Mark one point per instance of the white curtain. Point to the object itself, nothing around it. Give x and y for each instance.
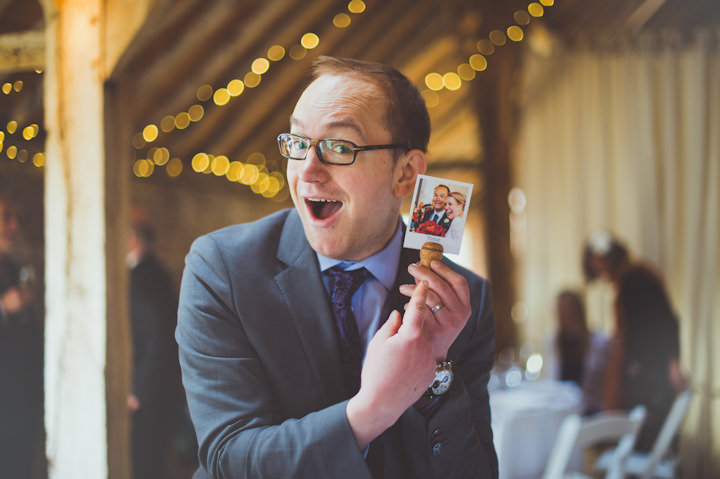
(625, 135)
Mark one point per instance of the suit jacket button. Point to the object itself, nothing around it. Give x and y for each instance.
(437, 449)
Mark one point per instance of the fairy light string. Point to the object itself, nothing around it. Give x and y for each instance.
(253, 172)
(15, 139)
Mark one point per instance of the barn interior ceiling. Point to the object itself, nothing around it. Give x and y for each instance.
(208, 84)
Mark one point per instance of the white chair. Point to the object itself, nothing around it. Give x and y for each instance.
(656, 463)
(577, 434)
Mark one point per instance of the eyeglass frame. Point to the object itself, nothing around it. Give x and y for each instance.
(355, 148)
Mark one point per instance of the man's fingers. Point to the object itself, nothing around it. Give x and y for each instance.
(456, 281)
(391, 326)
(444, 281)
(416, 308)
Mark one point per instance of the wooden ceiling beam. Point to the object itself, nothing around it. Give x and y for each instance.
(234, 54)
(349, 46)
(367, 42)
(188, 54)
(157, 32)
(4, 6)
(23, 51)
(256, 103)
(406, 29)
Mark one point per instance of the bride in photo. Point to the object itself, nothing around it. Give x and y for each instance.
(454, 208)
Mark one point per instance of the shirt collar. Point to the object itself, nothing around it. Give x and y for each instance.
(382, 265)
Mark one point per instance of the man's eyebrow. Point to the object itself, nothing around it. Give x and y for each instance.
(294, 121)
(347, 124)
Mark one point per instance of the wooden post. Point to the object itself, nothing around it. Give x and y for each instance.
(495, 92)
(86, 367)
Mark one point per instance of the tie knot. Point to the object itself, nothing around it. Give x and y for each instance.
(347, 282)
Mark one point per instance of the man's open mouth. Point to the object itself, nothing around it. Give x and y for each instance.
(322, 209)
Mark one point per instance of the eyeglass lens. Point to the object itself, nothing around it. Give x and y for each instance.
(330, 150)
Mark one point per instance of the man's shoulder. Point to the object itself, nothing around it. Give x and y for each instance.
(258, 230)
(253, 239)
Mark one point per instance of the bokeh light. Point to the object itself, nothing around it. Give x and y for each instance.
(432, 99)
(260, 66)
(310, 40)
(200, 162)
(235, 87)
(452, 81)
(150, 133)
(174, 167)
(535, 9)
(182, 121)
(356, 6)
(497, 37)
(515, 33)
(478, 62)
(342, 20)
(204, 92)
(221, 96)
(276, 53)
(434, 81)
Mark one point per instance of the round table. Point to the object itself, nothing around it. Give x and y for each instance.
(525, 421)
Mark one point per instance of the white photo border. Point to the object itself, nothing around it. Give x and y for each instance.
(424, 187)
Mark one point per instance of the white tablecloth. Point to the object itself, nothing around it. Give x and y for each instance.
(525, 421)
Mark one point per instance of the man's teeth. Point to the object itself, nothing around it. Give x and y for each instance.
(321, 200)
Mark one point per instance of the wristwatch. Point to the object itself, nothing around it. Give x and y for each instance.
(443, 379)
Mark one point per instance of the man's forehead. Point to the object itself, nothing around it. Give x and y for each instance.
(342, 102)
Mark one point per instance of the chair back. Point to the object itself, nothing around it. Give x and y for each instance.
(667, 432)
(578, 434)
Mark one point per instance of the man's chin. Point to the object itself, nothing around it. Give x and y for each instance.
(328, 249)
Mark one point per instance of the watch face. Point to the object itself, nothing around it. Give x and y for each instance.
(443, 379)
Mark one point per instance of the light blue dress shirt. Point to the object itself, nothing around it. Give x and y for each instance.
(369, 299)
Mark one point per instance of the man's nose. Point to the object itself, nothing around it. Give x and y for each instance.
(313, 169)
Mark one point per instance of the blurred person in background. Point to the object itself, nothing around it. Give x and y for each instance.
(156, 399)
(576, 353)
(21, 358)
(644, 351)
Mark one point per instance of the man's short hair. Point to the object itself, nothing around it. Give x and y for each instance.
(447, 188)
(406, 116)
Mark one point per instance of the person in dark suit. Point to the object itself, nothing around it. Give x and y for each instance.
(156, 397)
(435, 212)
(273, 313)
(21, 358)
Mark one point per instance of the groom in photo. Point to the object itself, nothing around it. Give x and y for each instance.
(436, 211)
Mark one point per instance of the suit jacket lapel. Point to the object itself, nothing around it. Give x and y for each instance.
(303, 289)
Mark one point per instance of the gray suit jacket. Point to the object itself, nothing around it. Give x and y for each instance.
(262, 368)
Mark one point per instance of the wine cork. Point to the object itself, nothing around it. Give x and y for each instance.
(430, 251)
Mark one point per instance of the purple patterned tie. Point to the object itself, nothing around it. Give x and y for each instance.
(343, 285)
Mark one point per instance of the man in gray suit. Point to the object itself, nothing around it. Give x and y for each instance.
(273, 322)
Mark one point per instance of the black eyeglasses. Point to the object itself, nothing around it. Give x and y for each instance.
(331, 151)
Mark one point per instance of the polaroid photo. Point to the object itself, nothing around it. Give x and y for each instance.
(438, 211)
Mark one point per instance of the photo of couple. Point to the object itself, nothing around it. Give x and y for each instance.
(438, 211)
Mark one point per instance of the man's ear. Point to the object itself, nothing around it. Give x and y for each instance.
(407, 168)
